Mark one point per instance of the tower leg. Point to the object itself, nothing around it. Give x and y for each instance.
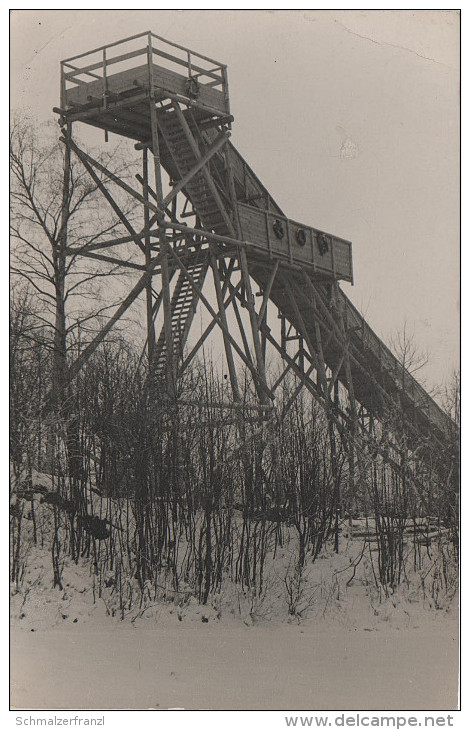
(223, 317)
(148, 288)
(254, 322)
(165, 274)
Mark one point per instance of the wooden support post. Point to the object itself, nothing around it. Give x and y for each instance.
(148, 255)
(238, 295)
(82, 250)
(352, 399)
(164, 247)
(264, 321)
(335, 373)
(267, 293)
(223, 317)
(319, 361)
(250, 304)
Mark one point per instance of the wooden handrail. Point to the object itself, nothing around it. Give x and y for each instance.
(109, 61)
(81, 71)
(183, 48)
(108, 45)
(182, 62)
(142, 35)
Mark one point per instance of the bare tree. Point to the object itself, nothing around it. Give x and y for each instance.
(56, 208)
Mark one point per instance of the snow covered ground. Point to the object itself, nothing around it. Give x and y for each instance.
(350, 652)
(210, 666)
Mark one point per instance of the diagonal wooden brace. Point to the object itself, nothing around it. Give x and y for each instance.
(85, 157)
(210, 152)
(131, 297)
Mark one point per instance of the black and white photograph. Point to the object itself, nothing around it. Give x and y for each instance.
(234, 357)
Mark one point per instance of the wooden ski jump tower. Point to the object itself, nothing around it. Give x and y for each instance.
(174, 103)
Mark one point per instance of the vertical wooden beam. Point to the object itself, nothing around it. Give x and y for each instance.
(250, 304)
(235, 291)
(166, 295)
(264, 321)
(148, 252)
(223, 317)
(352, 399)
(318, 358)
(267, 293)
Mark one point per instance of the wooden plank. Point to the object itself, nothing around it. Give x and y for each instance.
(257, 224)
(289, 242)
(184, 63)
(312, 248)
(268, 235)
(87, 73)
(117, 83)
(183, 48)
(129, 103)
(180, 99)
(108, 45)
(214, 83)
(111, 260)
(267, 293)
(109, 61)
(333, 261)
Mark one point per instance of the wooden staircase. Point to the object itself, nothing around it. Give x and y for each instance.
(183, 308)
(182, 149)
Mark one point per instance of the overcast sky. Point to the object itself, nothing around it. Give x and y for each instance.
(350, 119)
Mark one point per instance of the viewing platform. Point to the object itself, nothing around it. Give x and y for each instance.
(109, 86)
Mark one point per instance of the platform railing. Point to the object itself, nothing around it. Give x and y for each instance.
(101, 62)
